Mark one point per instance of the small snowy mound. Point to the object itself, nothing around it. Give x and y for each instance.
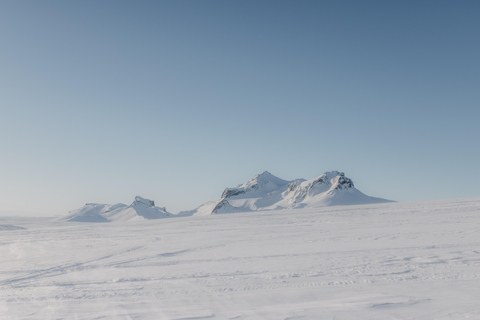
(140, 209)
(268, 192)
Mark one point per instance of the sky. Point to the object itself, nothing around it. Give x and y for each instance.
(101, 101)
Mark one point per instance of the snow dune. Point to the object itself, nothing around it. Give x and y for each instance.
(378, 261)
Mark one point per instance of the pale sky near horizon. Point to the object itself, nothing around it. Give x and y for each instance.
(176, 100)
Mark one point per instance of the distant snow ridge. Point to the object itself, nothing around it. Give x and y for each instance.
(268, 192)
(140, 209)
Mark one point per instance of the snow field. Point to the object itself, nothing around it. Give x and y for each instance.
(383, 261)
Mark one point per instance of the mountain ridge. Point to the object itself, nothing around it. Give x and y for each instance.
(268, 192)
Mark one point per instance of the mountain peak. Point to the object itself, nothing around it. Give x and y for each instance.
(139, 201)
(262, 183)
(330, 175)
(264, 174)
(333, 178)
(262, 179)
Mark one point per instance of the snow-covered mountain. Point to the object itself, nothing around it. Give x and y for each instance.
(268, 192)
(95, 212)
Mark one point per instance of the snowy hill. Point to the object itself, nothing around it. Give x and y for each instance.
(268, 192)
(95, 212)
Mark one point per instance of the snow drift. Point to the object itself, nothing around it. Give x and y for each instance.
(95, 212)
(268, 192)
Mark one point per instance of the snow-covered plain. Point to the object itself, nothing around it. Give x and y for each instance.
(381, 261)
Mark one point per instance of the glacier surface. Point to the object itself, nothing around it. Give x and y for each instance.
(376, 261)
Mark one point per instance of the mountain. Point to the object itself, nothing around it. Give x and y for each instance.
(95, 212)
(268, 192)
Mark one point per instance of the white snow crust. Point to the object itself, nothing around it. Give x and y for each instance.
(268, 192)
(141, 208)
(377, 261)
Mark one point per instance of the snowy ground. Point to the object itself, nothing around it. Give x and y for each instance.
(385, 261)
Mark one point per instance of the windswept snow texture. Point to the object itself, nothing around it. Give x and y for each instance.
(268, 192)
(376, 262)
(140, 209)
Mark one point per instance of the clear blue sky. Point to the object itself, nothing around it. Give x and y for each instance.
(176, 100)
